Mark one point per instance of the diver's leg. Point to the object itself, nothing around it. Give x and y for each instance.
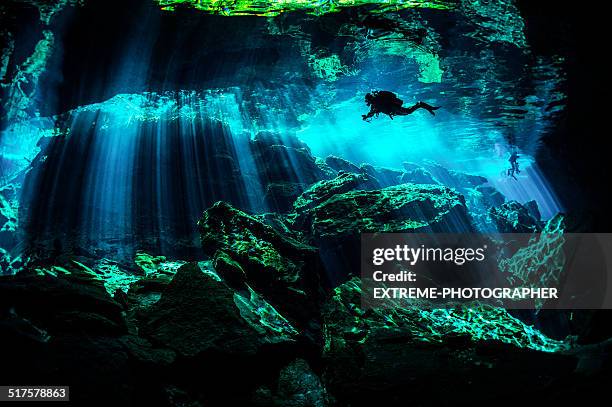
(403, 111)
(431, 109)
(511, 173)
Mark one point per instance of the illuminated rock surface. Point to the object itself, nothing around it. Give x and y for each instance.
(284, 269)
(402, 208)
(390, 349)
(270, 8)
(198, 313)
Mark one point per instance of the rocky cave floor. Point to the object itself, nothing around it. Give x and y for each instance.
(272, 315)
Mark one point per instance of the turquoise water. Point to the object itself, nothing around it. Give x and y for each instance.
(495, 96)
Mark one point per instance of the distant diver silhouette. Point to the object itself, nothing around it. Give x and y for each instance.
(383, 101)
(514, 167)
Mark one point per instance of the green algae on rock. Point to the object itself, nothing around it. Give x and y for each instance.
(369, 352)
(245, 238)
(420, 324)
(324, 190)
(400, 208)
(296, 385)
(150, 264)
(279, 266)
(270, 8)
(198, 313)
(512, 217)
(542, 262)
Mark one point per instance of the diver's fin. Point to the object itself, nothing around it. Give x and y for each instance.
(432, 109)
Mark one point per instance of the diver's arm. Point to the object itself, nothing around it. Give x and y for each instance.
(371, 113)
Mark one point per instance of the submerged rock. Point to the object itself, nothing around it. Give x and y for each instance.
(282, 163)
(534, 210)
(542, 262)
(334, 220)
(199, 313)
(418, 176)
(490, 196)
(150, 264)
(324, 190)
(385, 176)
(376, 355)
(9, 206)
(340, 164)
(328, 171)
(454, 178)
(279, 196)
(512, 217)
(401, 208)
(265, 139)
(59, 305)
(284, 159)
(298, 386)
(278, 265)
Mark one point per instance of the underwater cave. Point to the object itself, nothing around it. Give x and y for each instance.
(185, 185)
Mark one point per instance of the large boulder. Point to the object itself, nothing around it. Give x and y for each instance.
(59, 305)
(452, 178)
(278, 265)
(279, 196)
(334, 220)
(297, 386)
(488, 196)
(400, 208)
(384, 356)
(324, 190)
(198, 313)
(512, 217)
(418, 176)
(340, 164)
(285, 159)
(385, 176)
(479, 200)
(71, 330)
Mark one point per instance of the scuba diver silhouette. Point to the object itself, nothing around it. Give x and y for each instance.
(514, 167)
(383, 101)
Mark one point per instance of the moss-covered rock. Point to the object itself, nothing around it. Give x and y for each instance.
(401, 208)
(334, 215)
(297, 386)
(230, 270)
(198, 313)
(278, 265)
(324, 190)
(373, 354)
(512, 217)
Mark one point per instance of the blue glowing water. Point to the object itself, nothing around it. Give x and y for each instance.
(126, 148)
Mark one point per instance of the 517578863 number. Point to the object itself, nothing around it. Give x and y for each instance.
(34, 393)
